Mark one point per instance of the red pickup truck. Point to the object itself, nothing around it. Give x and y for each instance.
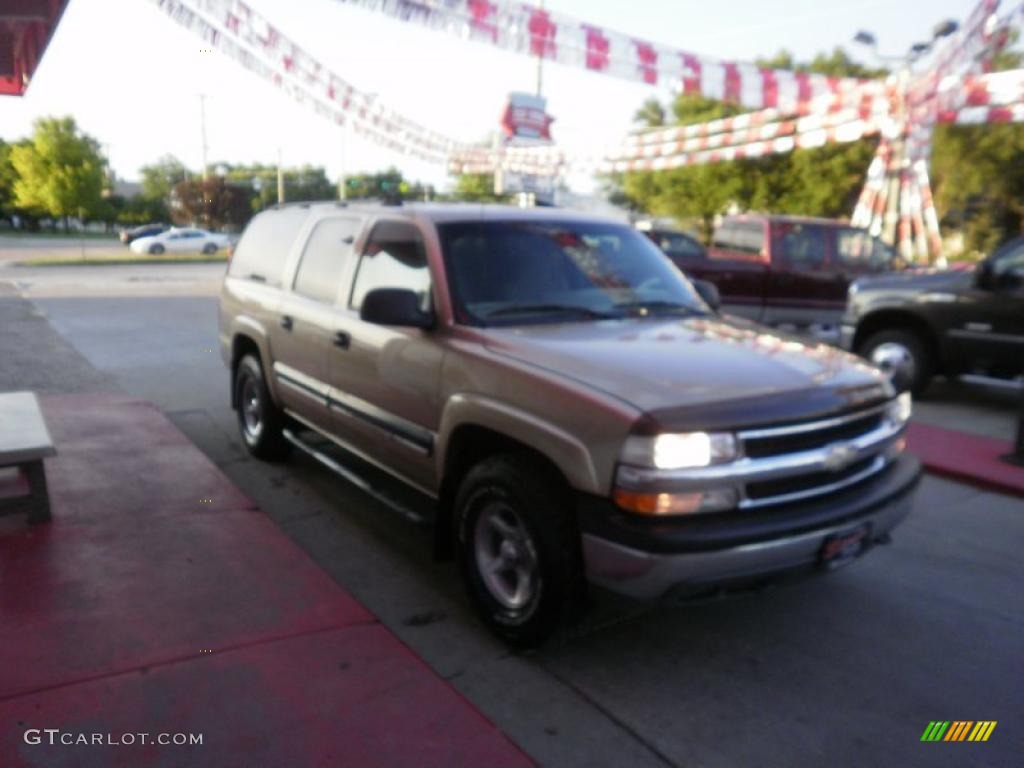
(785, 271)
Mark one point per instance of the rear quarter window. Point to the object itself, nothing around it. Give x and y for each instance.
(264, 246)
(801, 246)
(743, 239)
(677, 246)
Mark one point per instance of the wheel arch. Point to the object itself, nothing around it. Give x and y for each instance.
(465, 446)
(899, 319)
(243, 343)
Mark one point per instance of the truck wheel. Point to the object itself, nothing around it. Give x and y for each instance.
(518, 548)
(260, 422)
(901, 354)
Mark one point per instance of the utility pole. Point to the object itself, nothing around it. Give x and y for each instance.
(280, 179)
(202, 129)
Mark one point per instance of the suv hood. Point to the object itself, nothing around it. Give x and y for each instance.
(917, 280)
(699, 372)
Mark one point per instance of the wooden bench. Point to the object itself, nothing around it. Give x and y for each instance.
(24, 443)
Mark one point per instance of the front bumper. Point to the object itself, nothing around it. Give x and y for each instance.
(650, 558)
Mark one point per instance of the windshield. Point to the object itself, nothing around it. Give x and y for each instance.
(513, 272)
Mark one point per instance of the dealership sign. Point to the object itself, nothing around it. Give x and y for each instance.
(526, 117)
(510, 183)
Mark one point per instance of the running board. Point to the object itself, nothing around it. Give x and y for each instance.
(1014, 385)
(355, 479)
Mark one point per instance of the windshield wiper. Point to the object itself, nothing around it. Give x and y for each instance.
(658, 306)
(530, 309)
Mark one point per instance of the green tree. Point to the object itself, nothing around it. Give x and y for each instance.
(692, 193)
(161, 177)
(824, 181)
(978, 175)
(476, 188)
(651, 114)
(60, 171)
(383, 184)
(304, 183)
(7, 176)
(213, 203)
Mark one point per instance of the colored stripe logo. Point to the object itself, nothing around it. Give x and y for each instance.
(959, 730)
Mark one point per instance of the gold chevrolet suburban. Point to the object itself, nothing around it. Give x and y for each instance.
(559, 399)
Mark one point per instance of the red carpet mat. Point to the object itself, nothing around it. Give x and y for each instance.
(159, 601)
(970, 458)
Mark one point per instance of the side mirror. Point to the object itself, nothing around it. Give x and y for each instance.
(709, 293)
(395, 306)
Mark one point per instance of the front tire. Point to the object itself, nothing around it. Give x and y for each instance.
(903, 355)
(518, 548)
(260, 421)
(156, 249)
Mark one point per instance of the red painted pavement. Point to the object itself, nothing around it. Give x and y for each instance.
(969, 458)
(144, 608)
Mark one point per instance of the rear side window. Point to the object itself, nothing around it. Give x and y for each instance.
(678, 246)
(740, 237)
(261, 253)
(324, 258)
(800, 246)
(394, 258)
(860, 251)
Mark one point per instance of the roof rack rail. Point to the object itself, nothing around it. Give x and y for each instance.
(296, 204)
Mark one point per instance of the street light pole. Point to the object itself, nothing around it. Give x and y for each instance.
(202, 129)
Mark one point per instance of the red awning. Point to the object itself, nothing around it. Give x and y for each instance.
(25, 30)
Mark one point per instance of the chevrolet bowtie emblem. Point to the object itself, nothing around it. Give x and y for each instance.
(838, 457)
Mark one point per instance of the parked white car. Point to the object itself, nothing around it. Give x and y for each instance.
(181, 241)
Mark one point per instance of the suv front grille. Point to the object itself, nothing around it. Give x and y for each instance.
(813, 481)
(864, 435)
(788, 463)
(759, 447)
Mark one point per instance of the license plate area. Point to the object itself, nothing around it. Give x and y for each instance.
(844, 547)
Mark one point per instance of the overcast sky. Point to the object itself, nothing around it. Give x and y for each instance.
(131, 77)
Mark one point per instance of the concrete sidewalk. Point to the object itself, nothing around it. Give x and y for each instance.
(966, 457)
(161, 601)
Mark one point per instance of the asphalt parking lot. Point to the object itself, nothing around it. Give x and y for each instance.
(843, 670)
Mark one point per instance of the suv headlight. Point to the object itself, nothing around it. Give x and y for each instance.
(646, 461)
(680, 450)
(900, 409)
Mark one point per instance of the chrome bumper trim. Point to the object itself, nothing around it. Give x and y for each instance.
(647, 575)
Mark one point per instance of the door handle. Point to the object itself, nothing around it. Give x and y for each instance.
(287, 322)
(342, 340)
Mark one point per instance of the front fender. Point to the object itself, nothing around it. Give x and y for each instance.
(564, 450)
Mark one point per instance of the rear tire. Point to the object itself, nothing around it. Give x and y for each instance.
(518, 548)
(209, 249)
(903, 355)
(260, 421)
